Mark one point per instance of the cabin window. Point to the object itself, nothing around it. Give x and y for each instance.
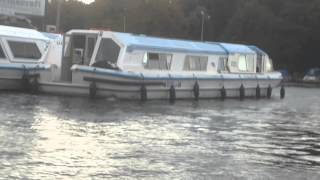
(234, 64)
(108, 51)
(250, 63)
(246, 63)
(25, 50)
(195, 63)
(159, 61)
(78, 48)
(223, 66)
(269, 65)
(2, 56)
(242, 64)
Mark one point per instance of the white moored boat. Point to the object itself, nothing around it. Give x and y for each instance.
(128, 66)
(24, 57)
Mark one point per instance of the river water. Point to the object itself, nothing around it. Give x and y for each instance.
(48, 137)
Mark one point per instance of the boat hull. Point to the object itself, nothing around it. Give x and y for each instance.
(125, 85)
(15, 76)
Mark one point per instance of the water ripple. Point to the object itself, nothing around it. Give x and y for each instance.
(47, 137)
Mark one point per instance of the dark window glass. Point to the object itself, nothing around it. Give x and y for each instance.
(108, 51)
(79, 41)
(2, 53)
(153, 56)
(25, 50)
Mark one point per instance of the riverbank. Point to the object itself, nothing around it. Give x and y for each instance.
(301, 83)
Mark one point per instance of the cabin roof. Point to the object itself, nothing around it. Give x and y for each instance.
(157, 44)
(21, 32)
(52, 36)
(237, 48)
(141, 42)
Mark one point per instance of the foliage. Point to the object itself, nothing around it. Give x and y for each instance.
(288, 29)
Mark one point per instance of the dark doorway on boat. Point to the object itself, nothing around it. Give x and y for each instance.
(78, 49)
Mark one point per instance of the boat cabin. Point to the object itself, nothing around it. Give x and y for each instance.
(140, 53)
(20, 45)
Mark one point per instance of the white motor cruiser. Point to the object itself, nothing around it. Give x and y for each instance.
(128, 66)
(25, 56)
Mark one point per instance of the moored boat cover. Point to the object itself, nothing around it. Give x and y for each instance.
(147, 43)
(141, 42)
(21, 32)
(237, 48)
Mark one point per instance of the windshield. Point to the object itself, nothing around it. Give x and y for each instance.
(108, 51)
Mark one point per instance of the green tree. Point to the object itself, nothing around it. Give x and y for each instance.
(288, 29)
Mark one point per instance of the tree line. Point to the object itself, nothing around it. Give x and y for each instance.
(288, 30)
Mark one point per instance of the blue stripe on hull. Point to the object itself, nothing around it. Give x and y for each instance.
(127, 75)
(27, 67)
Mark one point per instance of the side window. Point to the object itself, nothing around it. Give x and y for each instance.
(269, 65)
(108, 51)
(78, 48)
(25, 50)
(159, 61)
(223, 66)
(250, 63)
(2, 55)
(242, 65)
(195, 63)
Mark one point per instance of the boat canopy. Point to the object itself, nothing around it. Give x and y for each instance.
(235, 48)
(21, 33)
(147, 43)
(142, 42)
